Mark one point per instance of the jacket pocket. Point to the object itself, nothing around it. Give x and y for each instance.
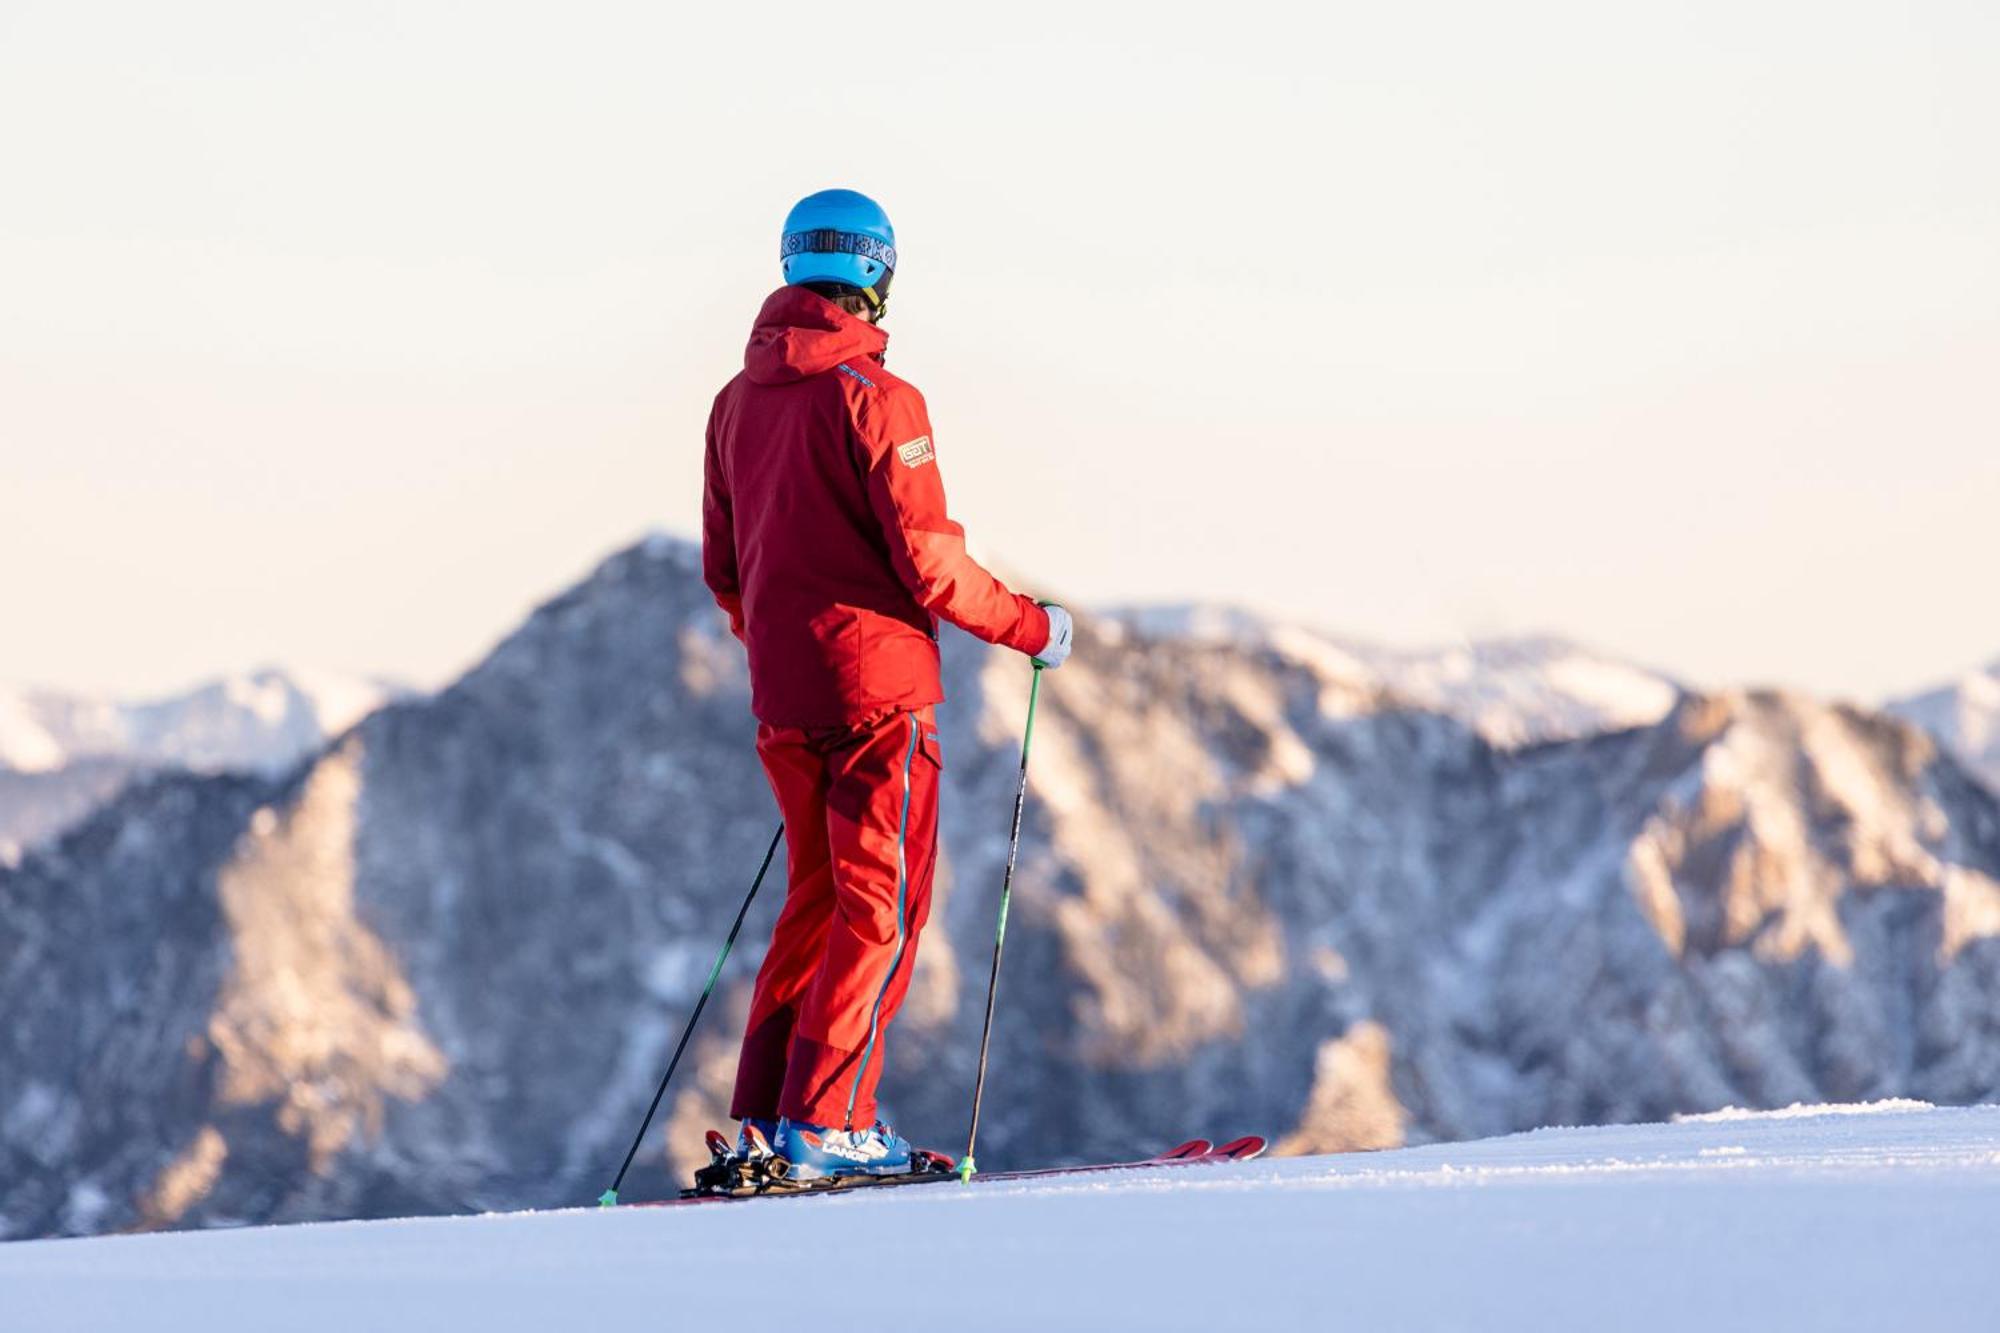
(929, 742)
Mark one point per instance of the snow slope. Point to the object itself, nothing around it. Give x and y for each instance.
(1871, 1217)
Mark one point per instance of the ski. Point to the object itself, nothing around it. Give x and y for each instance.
(1240, 1150)
(936, 1168)
(1194, 1150)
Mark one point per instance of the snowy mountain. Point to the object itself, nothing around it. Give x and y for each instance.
(61, 755)
(439, 968)
(263, 720)
(1825, 1218)
(1965, 716)
(1512, 691)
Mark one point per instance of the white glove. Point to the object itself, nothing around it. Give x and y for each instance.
(1056, 651)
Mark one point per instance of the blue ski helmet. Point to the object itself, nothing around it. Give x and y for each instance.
(843, 237)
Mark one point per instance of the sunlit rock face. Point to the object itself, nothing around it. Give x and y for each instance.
(440, 967)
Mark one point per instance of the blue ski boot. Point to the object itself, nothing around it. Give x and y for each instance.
(816, 1152)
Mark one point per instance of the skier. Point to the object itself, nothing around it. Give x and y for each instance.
(826, 542)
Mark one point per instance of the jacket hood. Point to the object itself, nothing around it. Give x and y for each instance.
(800, 333)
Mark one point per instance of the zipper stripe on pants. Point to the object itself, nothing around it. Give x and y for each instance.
(902, 892)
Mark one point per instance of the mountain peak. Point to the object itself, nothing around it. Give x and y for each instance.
(1965, 715)
(1513, 690)
(265, 718)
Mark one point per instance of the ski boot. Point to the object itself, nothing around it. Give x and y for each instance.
(818, 1152)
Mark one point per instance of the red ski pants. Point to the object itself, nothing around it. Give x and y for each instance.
(860, 811)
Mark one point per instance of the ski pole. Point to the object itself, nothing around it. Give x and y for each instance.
(610, 1196)
(965, 1166)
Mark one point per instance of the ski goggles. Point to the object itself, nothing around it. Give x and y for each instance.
(833, 241)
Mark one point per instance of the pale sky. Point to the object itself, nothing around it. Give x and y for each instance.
(339, 335)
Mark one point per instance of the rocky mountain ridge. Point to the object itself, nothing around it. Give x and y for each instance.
(438, 966)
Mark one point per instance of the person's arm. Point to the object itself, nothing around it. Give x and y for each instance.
(925, 545)
(718, 537)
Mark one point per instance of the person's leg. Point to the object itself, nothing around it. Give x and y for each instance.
(798, 941)
(922, 858)
(881, 813)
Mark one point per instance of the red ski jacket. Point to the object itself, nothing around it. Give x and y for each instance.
(824, 532)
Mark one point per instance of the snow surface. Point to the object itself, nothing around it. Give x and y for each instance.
(1812, 1217)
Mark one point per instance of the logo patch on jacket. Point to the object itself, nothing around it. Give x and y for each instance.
(917, 452)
